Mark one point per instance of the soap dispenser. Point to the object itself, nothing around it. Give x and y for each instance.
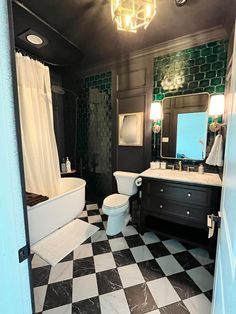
(201, 169)
(68, 165)
(63, 165)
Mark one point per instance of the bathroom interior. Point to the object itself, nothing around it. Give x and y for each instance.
(124, 111)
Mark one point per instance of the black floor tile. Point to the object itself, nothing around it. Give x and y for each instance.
(108, 281)
(140, 299)
(208, 294)
(158, 249)
(83, 267)
(175, 308)
(123, 258)
(40, 276)
(88, 306)
(210, 268)
(184, 285)
(101, 247)
(84, 219)
(186, 260)
(119, 235)
(134, 240)
(104, 217)
(58, 294)
(150, 270)
(69, 257)
(100, 225)
(93, 212)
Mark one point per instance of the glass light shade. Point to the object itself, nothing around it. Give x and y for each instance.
(156, 111)
(216, 107)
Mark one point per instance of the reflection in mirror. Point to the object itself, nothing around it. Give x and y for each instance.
(184, 126)
(191, 135)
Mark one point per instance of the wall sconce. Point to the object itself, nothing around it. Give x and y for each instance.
(216, 109)
(156, 116)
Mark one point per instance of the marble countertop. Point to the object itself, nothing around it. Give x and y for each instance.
(183, 176)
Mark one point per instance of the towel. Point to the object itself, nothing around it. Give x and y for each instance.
(215, 157)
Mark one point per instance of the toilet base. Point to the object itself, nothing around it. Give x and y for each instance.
(116, 223)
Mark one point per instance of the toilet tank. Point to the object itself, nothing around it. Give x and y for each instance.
(126, 182)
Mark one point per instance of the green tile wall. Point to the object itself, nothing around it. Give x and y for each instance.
(203, 68)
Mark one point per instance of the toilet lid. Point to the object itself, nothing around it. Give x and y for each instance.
(116, 200)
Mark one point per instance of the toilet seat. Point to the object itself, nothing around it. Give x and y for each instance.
(116, 201)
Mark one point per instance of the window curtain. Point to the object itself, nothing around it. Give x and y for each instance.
(40, 155)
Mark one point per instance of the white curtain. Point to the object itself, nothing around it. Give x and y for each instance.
(40, 156)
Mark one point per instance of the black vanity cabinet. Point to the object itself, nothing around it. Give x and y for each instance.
(179, 209)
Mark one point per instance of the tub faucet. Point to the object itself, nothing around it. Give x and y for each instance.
(180, 165)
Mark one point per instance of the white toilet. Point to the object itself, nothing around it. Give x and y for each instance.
(116, 206)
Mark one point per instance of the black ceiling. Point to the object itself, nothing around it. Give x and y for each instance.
(88, 25)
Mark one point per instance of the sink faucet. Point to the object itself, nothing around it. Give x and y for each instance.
(180, 165)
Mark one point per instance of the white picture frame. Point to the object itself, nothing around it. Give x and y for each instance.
(130, 129)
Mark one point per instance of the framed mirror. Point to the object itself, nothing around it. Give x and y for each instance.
(184, 126)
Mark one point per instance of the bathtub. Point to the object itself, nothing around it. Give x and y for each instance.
(48, 216)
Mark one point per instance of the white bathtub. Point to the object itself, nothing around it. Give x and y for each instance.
(46, 217)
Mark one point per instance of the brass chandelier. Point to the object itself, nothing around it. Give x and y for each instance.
(129, 15)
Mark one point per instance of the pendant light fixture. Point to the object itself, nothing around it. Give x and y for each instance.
(129, 15)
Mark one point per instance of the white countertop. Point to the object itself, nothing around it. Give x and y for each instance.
(183, 176)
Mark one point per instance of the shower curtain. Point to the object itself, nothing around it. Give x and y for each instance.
(40, 156)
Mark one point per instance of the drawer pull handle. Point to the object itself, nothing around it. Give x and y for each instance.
(189, 194)
(161, 206)
(162, 190)
(188, 212)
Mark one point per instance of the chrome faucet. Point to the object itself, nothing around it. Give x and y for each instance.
(180, 165)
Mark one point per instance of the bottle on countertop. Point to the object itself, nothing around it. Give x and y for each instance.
(63, 165)
(68, 165)
(201, 169)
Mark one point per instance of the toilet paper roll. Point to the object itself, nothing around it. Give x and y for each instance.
(138, 181)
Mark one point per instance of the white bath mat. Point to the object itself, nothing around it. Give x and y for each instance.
(60, 243)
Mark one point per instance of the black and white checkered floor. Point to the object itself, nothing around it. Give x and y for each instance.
(128, 273)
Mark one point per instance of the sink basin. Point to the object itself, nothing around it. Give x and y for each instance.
(191, 177)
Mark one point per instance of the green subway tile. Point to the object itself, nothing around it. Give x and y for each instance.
(198, 90)
(102, 75)
(156, 91)
(211, 58)
(204, 83)
(206, 52)
(102, 87)
(108, 74)
(205, 67)
(186, 71)
(209, 89)
(191, 62)
(217, 65)
(169, 94)
(220, 89)
(91, 78)
(195, 54)
(199, 76)
(188, 78)
(86, 79)
(212, 44)
(160, 96)
(99, 81)
(216, 81)
(200, 61)
(194, 70)
(96, 77)
(219, 48)
(210, 74)
(223, 56)
(193, 85)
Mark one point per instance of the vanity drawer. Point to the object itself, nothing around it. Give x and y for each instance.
(195, 216)
(178, 192)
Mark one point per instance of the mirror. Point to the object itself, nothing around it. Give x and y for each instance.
(184, 127)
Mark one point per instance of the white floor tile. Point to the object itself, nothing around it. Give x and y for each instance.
(39, 297)
(94, 219)
(130, 275)
(163, 292)
(64, 309)
(101, 211)
(104, 262)
(114, 303)
(118, 244)
(198, 304)
(141, 253)
(83, 214)
(84, 250)
(129, 230)
(38, 262)
(84, 287)
(100, 235)
(202, 278)
(154, 312)
(169, 265)
(60, 272)
(150, 237)
(91, 206)
(174, 246)
(201, 255)
(105, 224)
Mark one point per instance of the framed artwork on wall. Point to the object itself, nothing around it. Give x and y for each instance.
(130, 129)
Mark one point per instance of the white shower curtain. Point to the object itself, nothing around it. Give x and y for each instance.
(40, 155)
